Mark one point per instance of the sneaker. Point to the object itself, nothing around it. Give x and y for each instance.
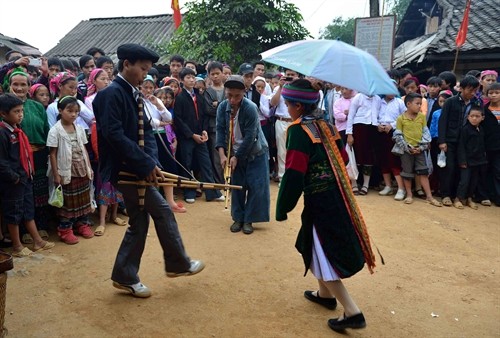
(221, 198)
(386, 191)
(400, 195)
(190, 200)
(137, 290)
(196, 267)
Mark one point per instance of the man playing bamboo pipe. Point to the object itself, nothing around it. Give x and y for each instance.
(249, 158)
(126, 143)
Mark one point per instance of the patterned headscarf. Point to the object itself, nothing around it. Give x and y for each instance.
(169, 80)
(34, 88)
(488, 72)
(59, 79)
(91, 89)
(297, 94)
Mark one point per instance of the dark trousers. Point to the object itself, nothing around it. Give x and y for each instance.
(448, 175)
(190, 152)
(492, 188)
(128, 259)
(470, 179)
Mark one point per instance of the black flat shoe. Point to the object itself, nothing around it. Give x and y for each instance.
(353, 322)
(329, 303)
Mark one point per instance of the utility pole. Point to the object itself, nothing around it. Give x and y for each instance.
(374, 8)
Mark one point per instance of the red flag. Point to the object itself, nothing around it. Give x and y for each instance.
(462, 32)
(177, 13)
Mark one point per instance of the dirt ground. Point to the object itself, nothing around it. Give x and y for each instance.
(439, 280)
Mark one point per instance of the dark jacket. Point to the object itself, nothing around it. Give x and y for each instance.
(452, 118)
(435, 106)
(255, 96)
(186, 121)
(491, 128)
(117, 116)
(10, 164)
(471, 150)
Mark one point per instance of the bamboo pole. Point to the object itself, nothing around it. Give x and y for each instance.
(191, 185)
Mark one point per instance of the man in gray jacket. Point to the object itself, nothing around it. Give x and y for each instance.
(249, 157)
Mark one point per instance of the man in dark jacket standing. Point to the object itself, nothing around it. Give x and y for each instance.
(120, 131)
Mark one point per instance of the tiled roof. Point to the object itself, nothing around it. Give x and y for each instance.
(19, 46)
(109, 33)
(483, 32)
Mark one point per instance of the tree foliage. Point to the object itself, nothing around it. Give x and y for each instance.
(235, 31)
(340, 29)
(343, 29)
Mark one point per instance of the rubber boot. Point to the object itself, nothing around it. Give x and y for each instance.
(67, 236)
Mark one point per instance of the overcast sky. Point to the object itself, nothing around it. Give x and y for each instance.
(43, 23)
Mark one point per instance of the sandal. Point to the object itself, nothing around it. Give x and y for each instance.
(420, 193)
(178, 207)
(363, 191)
(434, 202)
(408, 200)
(355, 191)
(99, 231)
(46, 246)
(27, 239)
(25, 252)
(447, 202)
(471, 204)
(44, 235)
(457, 204)
(119, 221)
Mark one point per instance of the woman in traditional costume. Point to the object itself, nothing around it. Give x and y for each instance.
(333, 239)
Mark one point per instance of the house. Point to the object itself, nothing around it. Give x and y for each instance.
(109, 33)
(425, 38)
(7, 44)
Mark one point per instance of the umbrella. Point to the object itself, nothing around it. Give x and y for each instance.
(333, 61)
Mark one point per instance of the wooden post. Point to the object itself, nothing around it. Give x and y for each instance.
(456, 59)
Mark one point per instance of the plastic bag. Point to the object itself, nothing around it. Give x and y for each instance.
(441, 159)
(352, 167)
(56, 198)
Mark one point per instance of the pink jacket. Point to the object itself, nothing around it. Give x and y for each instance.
(339, 107)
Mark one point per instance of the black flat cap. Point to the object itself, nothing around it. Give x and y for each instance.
(235, 81)
(134, 52)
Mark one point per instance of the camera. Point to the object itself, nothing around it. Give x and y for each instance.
(35, 62)
(288, 78)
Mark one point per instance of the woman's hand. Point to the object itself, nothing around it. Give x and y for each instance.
(350, 140)
(57, 179)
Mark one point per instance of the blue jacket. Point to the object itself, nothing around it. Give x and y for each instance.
(254, 143)
(117, 116)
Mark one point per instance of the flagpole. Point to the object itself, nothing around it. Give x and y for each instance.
(456, 59)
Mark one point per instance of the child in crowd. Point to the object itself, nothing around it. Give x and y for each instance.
(361, 131)
(166, 95)
(70, 167)
(87, 64)
(486, 78)
(491, 126)
(226, 71)
(341, 110)
(433, 128)
(159, 118)
(98, 79)
(191, 128)
(413, 137)
(471, 159)
(16, 177)
(65, 84)
(176, 63)
(434, 88)
(106, 63)
(391, 108)
(452, 119)
(200, 85)
(107, 195)
(173, 83)
(40, 93)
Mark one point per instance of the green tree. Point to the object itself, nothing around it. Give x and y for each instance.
(340, 29)
(399, 7)
(235, 31)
